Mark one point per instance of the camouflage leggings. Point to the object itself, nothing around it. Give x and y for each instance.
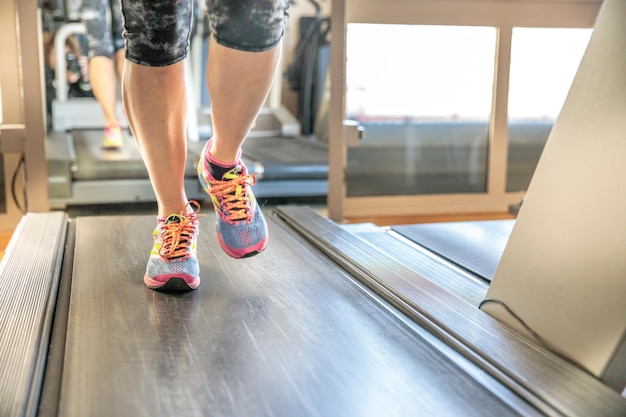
(157, 32)
(103, 21)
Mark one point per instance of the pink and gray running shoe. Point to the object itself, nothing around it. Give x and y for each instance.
(173, 265)
(241, 228)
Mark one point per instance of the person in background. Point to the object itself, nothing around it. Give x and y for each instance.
(244, 53)
(77, 70)
(103, 23)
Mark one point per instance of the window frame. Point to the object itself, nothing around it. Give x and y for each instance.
(504, 15)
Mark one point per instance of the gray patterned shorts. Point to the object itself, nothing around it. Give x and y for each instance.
(103, 21)
(157, 32)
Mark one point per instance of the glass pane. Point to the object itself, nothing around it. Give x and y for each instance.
(543, 65)
(423, 94)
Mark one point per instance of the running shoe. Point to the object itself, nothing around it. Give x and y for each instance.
(241, 229)
(173, 265)
(113, 138)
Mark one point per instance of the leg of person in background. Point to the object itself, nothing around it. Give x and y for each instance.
(120, 61)
(104, 83)
(102, 20)
(119, 55)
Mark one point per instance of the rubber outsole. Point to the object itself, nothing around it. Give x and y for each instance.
(174, 285)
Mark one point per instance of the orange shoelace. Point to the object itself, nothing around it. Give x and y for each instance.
(233, 196)
(176, 235)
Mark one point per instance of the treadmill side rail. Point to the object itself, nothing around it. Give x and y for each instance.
(29, 276)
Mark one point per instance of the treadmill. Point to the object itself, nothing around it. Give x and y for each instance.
(331, 320)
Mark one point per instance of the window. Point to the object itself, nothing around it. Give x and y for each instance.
(423, 94)
(543, 65)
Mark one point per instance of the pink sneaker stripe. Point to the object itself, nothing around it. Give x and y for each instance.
(241, 253)
(161, 280)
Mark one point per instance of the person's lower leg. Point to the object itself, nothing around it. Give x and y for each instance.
(156, 107)
(238, 83)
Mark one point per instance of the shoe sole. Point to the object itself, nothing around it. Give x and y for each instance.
(254, 250)
(173, 284)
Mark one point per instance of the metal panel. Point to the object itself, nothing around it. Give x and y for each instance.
(50, 390)
(429, 265)
(563, 270)
(285, 333)
(29, 275)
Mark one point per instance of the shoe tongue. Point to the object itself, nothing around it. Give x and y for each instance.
(233, 173)
(173, 218)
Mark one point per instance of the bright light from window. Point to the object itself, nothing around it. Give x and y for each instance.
(543, 65)
(422, 72)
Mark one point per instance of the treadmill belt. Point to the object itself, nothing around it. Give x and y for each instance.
(284, 333)
(476, 246)
(289, 158)
(93, 162)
